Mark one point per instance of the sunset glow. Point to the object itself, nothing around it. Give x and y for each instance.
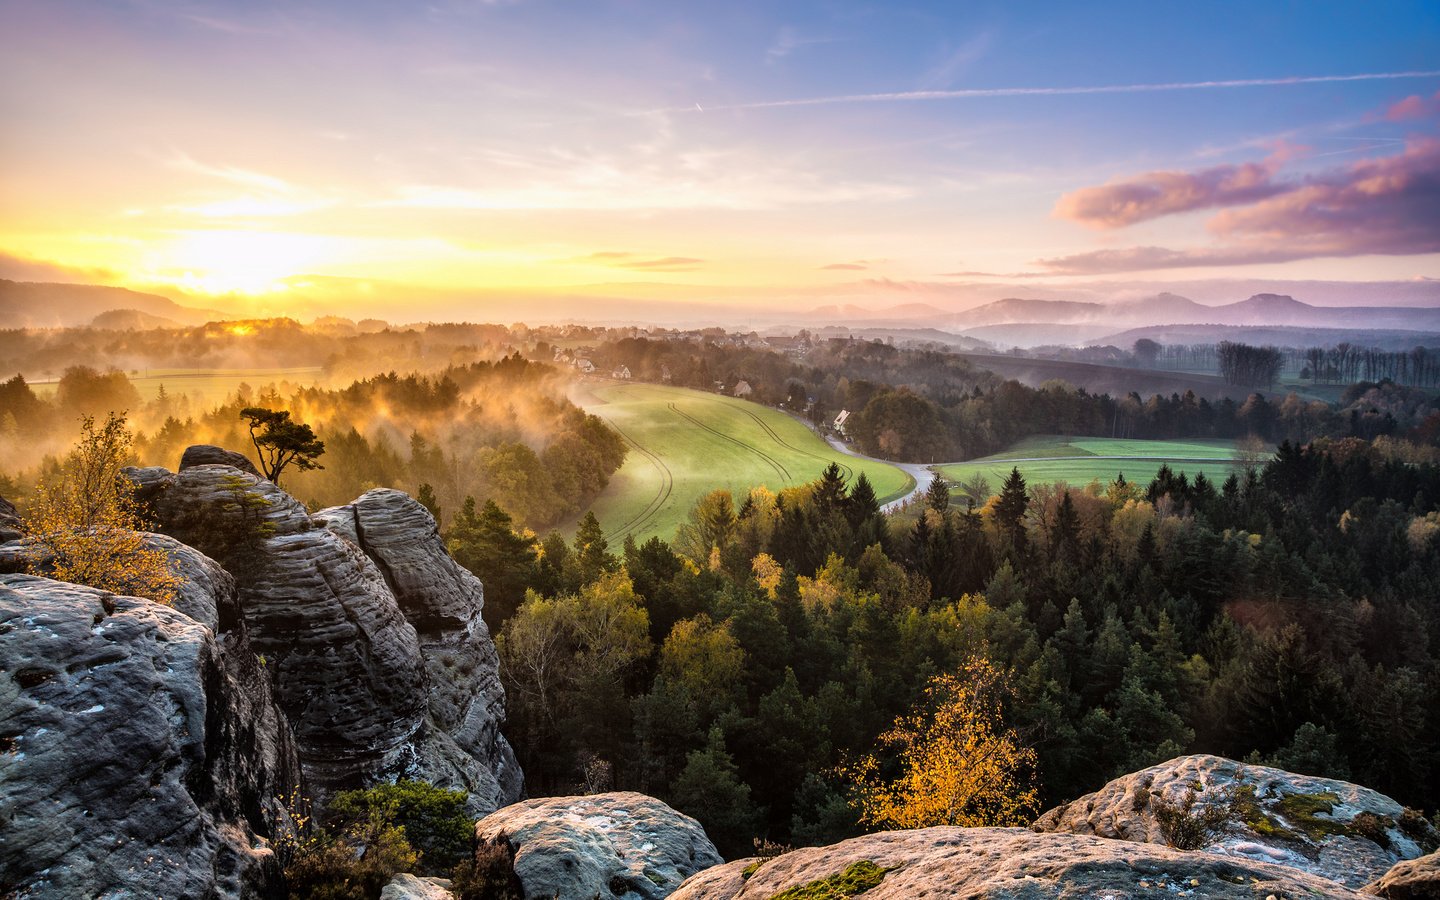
(759, 155)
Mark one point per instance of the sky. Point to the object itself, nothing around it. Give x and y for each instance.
(254, 154)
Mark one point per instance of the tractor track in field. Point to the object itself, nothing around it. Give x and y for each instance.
(775, 436)
(778, 466)
(667, 485)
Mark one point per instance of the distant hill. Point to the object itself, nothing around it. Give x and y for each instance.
(26, 304)
(849, 312)
(1029, 322)
(130, 320)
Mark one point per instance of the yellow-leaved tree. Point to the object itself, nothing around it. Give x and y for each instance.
(87, 518)
(955, 761)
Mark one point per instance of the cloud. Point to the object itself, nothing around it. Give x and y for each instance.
(1414, 107)
(233, 174)
(845, 267)
(944, 73)
(1154, 194)
(626, 260)
(788, 41)
(967, 93)
(1389, 205)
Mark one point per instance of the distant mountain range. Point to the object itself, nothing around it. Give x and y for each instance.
(1030, 322)
(25, 304)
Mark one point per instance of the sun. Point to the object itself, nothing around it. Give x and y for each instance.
(236, 262)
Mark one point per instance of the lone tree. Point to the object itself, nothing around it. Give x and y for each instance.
(957, 761)
(281, 441)
(88, 520)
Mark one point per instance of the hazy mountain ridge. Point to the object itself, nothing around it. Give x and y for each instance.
(32, 304)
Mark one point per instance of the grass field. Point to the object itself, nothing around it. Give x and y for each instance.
(1077, 461)
(206, 387)
(685, 443)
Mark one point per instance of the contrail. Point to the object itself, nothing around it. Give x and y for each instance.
(1066, 91)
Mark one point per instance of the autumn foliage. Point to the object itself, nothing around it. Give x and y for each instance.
(958, 764)
(87, 520)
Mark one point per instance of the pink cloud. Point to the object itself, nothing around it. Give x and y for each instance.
(1154, 194)
(845, 267)
(1413, 107)
(1389, 205)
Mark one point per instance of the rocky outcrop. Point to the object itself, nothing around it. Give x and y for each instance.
(1413, 879)
(9, 521)
(605, 846)
(443, 601)
(380, 656)
(140, 755)
(1007, 864)
(411, 887)
(1334, 829)
(210, 455)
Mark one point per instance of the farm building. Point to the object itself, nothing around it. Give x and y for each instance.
(585, 366)
(743, 388)
(840, 421)
(621, 372)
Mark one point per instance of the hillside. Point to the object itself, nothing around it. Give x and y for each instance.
(27, 304)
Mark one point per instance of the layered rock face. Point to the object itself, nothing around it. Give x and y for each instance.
(140, 755)
(210, 455)
(1337, 830)
(462, 745)
(380, 657)
(601, 847)
(1007, 864)
(9, 521)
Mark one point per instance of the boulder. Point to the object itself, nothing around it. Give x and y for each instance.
(1413, 879)
(210, 455)
(1333, 829)
(1006, 864)
(140, 755)
(605, 846)
(410, 887)
(443, 602)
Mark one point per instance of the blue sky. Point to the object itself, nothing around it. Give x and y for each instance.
(232, 149)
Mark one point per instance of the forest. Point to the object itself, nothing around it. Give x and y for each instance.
(502, 429)
(1287, 615)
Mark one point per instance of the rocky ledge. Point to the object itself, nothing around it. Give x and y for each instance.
(1003, 864)
(1337, 830)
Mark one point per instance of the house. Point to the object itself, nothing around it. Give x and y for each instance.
(621, 372)
(840, 421)
(585, 365)
(665, 375)
(743, 388)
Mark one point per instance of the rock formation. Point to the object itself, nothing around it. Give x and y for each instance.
(9, 521)
(605, 846)
(442, 601)
(411, 887)
(210, 455)
(374, 635)
(1334, 829)
(1413, 879)
(140, 755)
(1008, 863)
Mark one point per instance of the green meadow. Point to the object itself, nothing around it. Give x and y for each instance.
(1078, 461)
(685, 443)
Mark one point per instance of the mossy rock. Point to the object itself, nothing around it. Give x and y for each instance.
(855, 880)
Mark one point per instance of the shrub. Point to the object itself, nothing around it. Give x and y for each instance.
(434, 819)
(488, 875)
(1186, 828)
